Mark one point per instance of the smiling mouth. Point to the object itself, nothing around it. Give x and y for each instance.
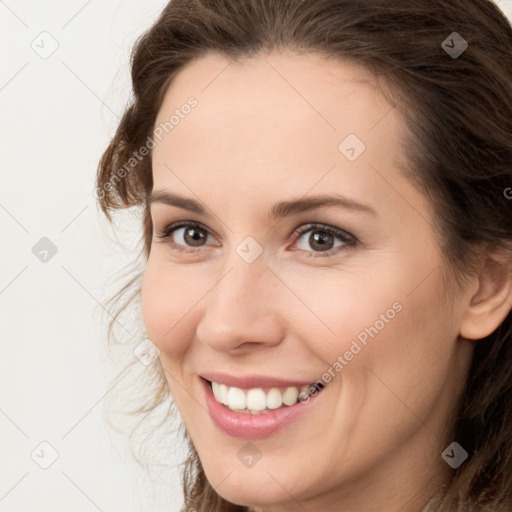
(262, 400)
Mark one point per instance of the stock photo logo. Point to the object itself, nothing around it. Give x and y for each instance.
(151, 142)
(358, 343)
(455, 45)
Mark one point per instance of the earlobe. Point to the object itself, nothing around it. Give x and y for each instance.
(492, 302)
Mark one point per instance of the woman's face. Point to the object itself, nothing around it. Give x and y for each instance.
(302, 254)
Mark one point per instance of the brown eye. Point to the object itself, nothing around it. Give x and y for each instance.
(185, 236)
(194, 236)
(323, 240)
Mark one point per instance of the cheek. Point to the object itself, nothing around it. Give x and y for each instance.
(381, 324)
(344, 311)
(404, 369)
(168, 298)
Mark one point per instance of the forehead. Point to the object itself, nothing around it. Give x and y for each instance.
(332, 94)
(274, 117)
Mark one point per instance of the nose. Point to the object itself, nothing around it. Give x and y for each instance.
(243, 310)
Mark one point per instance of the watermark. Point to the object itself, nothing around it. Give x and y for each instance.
(352, 147)
(356, 346)
(508, 193)
(44, 455)
(454, 455)
(45, 45)
(44, 250)
(454, 45)
(146, 352)
(249, 249)
(249, 455)
(138, 155)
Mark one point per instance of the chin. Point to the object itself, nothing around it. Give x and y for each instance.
(250, 487)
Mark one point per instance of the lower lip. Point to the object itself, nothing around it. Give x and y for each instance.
(252, 426)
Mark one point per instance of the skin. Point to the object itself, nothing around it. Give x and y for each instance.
(265, 130)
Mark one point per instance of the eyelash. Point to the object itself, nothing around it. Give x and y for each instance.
(348, 240)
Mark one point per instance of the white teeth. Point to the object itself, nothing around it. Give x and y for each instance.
(256, 401)
(290, 396)
(236, 399)
(223, 394)
(274, 398)
(215, 389)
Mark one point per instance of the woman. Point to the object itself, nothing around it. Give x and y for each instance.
(327, 231)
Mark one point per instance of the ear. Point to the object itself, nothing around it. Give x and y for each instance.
(492, 301)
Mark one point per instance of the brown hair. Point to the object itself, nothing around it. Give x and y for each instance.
(458, 111)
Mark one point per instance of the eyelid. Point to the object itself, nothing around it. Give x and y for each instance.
(174, 226)
(349, 240)
(345, 236)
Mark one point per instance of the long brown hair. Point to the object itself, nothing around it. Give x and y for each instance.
(458, 111)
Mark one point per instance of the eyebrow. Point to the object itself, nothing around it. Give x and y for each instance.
(279, 210)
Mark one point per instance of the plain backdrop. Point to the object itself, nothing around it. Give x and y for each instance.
(64, 81)
(57, 113)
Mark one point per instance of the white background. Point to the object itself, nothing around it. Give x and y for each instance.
(56, 117)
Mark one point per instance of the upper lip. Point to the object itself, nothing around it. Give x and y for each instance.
(253, 381)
